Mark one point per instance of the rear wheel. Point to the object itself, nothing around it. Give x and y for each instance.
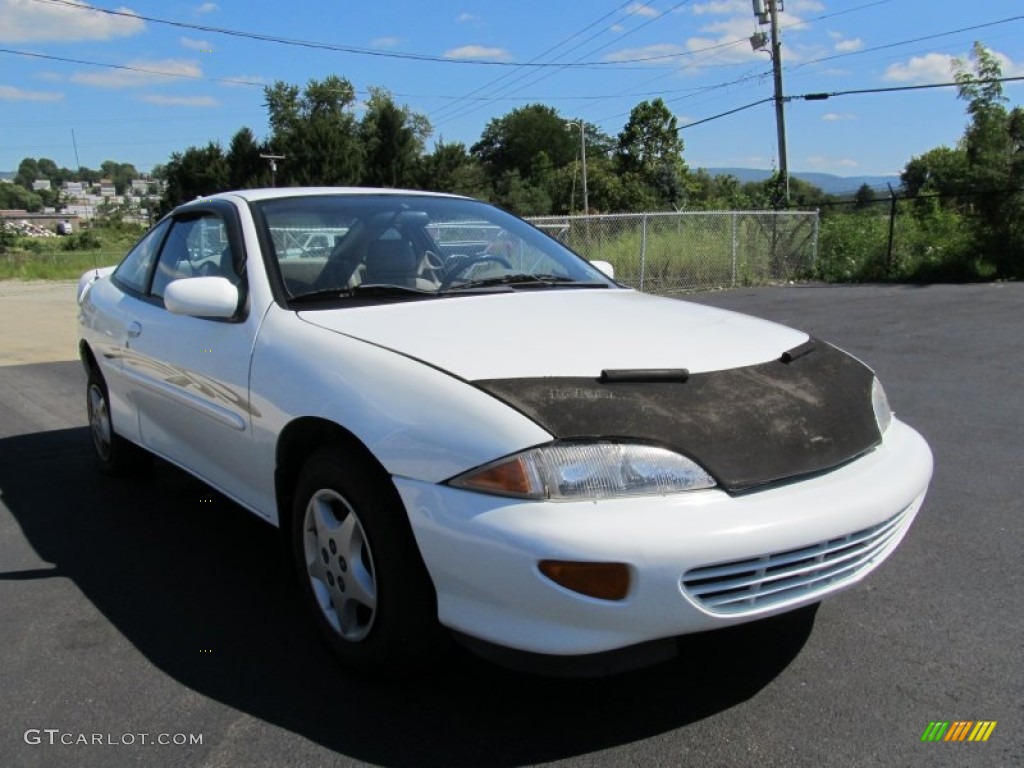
(359, 570)
(114, 454)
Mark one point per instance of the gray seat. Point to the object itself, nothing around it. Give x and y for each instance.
(391, 262)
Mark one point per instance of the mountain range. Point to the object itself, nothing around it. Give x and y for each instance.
(829, 183)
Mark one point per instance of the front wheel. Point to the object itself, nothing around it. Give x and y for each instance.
(114, 454)
(359, 570)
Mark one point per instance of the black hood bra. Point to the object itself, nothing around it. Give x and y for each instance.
(806, 412)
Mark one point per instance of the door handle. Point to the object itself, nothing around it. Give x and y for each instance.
(134, 329)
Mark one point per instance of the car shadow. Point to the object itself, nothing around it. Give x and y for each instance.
(221, 584)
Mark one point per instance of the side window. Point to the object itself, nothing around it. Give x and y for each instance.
(196, 247)
(133, 271)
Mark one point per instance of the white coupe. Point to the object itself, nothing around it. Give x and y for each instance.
(459, 423)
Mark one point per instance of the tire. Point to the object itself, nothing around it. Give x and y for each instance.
(360, 572)
(114, 454)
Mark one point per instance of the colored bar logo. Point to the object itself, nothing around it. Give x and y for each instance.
(958, 730)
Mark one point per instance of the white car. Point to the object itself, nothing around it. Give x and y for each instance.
(461, 424)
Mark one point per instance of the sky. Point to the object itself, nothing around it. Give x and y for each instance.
(462, 63)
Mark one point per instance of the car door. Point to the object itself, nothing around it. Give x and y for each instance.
(189, 376)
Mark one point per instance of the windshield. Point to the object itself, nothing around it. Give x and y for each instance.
(328, 247)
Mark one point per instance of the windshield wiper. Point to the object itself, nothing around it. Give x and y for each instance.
(384, 290)
(526, 280)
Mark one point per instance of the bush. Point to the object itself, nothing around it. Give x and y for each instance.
(83, 240)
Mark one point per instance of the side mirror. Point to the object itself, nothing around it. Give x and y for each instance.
(202, 297)
(606, 268)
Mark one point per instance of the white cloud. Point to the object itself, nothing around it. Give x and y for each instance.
(826, 162)
(196, 45)
(848, 46)
(930, 68)
(722, 7)
(477, 52)
(206, 8)
(616, 28)
(832, 117)
(181, 101)
(19, 94)
(29, 21)
(938, 68)
(162, 71)
(648, 51)
(385, 42)
(642, 9)
(465, 18)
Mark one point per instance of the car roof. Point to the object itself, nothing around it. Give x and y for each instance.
(253, 195)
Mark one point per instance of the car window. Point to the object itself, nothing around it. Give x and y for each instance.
(415, 245)
(196, 247)
(133, 271)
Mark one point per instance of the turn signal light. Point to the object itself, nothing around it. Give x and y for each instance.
(605, 581)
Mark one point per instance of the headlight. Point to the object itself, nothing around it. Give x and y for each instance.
(596, 470)
(880, 404)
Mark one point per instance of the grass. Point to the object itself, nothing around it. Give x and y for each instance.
(65, 258)
(54, 265)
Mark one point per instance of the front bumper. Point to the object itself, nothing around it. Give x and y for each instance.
(829, 531)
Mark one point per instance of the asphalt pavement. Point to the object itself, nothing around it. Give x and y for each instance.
(151, 609)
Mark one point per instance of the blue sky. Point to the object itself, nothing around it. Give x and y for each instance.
(464, 71)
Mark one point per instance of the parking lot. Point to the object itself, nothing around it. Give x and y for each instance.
(154, 606)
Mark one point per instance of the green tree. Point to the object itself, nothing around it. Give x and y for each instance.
(28, 171)
(393, 139)
(864, 197)
(994, 146)
(15, 196)
(317, 131)
(246, 169)
(196, 172)
(516, 140)
(650, 146)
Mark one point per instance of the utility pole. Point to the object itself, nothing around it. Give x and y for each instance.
(767, 12)
(272, 159)
(583, 156)
(780, 104)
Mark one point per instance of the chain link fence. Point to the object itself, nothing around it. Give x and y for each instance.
(693, 250)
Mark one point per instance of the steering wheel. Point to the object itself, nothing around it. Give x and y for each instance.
(464, 264)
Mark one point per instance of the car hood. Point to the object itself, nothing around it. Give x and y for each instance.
(561, 333)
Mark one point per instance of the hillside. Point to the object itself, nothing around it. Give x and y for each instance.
(827, 182)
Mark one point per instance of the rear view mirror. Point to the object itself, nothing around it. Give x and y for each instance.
(202, 297)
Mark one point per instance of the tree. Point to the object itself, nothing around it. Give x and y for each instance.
(196, 172)
(515, 141)
(864, 197)
(28, 171)
(650, 146)
(393, 138)
(15, 196)
(450, 168)
(246, 169)
(994, 147)
(316, 130)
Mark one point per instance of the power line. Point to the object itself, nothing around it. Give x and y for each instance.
(318, 45)
(561, 66)
(907, 42)
(535, 58)
(894, 88)
(725, 114)
(146, 70)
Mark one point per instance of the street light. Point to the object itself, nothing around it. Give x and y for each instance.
(583, 155)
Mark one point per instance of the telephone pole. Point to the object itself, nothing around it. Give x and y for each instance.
(780, 104)
(767, 12)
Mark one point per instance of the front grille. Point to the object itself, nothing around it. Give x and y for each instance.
(756, 583)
